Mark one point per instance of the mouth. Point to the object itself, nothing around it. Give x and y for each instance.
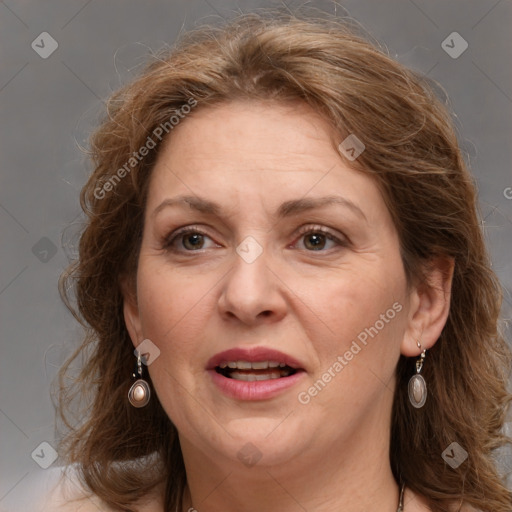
(255, 371)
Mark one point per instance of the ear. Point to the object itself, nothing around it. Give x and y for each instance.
(131, 309)
(429, 307)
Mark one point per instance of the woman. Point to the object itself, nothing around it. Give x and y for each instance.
(288, 301)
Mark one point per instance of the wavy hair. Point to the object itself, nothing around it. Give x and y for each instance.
(412, 153)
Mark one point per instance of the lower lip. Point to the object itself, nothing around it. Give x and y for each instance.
(254, 390)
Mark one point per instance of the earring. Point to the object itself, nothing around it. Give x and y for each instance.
(139, 393)
(417, 384)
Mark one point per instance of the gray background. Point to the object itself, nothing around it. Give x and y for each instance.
(49, 106)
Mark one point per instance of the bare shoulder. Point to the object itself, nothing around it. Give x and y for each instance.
(467, 508)
(59, 489)
(54, 489)
(414, 502)
(68, 495)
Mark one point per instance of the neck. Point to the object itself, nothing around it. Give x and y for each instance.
(352, 475)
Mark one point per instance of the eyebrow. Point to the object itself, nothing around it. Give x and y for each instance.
(286, 209)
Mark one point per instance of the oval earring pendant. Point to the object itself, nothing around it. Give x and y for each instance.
(417, 391)
(139, 393)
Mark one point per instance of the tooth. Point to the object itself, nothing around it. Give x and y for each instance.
(282, 365)
(232, 364)
(223, 365)
(244, 376)
(243, 365)
(273, 364)
(260, 365)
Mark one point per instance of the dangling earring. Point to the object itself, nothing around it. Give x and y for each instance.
(417, 384)
(139, 393)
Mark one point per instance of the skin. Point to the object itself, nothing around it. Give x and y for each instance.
(333, 452)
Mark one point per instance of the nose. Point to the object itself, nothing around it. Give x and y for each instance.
(253, 292)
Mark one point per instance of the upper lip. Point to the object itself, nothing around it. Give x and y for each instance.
(253, 354)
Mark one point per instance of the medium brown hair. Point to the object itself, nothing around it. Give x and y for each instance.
(412, 152)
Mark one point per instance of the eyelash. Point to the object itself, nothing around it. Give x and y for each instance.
(194, 230)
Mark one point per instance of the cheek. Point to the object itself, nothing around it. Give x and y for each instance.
(356, 298)
(363, 305)
(173, 309)
(357, 360)
(172, 312)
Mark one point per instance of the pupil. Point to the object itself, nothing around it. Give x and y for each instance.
(318, 240)
(197, 240)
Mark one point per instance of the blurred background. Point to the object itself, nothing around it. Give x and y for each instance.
(60, 60)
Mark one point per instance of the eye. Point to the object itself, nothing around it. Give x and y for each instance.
(317, 237)
(190, 239)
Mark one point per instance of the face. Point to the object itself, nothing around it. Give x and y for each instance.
(280, 254)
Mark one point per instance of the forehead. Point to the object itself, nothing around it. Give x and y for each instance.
(244, 150)
(238, 131)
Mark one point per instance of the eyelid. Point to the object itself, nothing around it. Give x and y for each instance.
(314, 228)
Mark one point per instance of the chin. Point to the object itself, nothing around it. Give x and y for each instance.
(263, 442)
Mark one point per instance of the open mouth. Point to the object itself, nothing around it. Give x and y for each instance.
(254, 371)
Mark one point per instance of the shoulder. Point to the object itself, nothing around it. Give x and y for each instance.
(68, 495)
(414, 502)
(56, 489)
